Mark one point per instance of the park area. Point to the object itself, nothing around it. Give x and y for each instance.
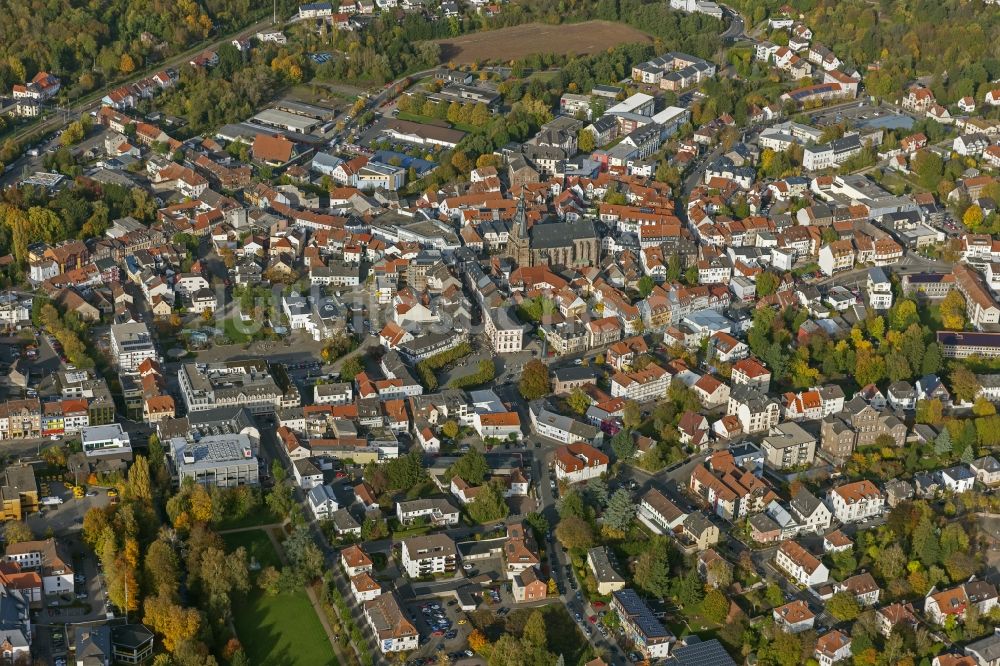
(283, 629)
(508, 44)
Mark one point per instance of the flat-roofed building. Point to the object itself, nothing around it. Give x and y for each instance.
(224, 461)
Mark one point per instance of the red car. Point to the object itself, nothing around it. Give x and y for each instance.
(339, 475)
(592, 619)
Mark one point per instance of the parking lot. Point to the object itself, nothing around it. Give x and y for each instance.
(443, 627)
(66, 517)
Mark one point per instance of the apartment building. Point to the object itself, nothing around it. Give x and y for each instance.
(854, 502)
(788, 445)
(579, 462)
(802, 566)
(393, 630)
(438, 511)
(428, 554)
(640, 626)
(131, 344)
(650, 383)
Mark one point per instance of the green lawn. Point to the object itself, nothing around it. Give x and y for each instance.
(260, 516)
(930, 316)
(282, 630)
(428, 120)
(234, 334)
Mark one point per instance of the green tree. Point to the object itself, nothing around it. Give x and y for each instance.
(924, 542)
(715, 606)
(574, 533)
(688, 589)
(597, 492)
(489, 504)
(578, 401)
(767, 283)
(620, 512)
(623, 445)
(571, 504)
(645, 286)
(535, 382)
(585, 141)
(652, 568)
(843, 606)
(351, 368)
(471, 467)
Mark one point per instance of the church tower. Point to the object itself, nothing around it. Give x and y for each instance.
(519, 243)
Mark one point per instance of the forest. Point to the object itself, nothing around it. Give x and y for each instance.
(951, 42)
(88, 44)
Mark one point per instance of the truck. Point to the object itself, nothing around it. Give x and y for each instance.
(51, 501)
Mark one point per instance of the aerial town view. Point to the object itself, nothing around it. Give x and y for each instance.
(500, 333)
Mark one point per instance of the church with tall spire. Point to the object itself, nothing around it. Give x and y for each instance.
(553, 241)
(519, 242)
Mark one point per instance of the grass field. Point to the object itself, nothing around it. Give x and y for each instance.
(508, 44)
(260, 516)
(282, 630)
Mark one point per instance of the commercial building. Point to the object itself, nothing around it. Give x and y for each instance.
(19, 492)
(224, 461)
(247, 384)
(106, 440)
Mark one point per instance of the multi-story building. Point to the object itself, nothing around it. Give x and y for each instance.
(756, 411)
(640, 626)
(650, 383)
(879, 289)
(801, 565)
(428, 554)
(393, 630)
(955, 602)
(437, 511)
(106, 440)
(608, 579)
(504, 331)
(751, 372)
(579, 462)
(794, 617)
(560, 428)
(224, 461)
(730, 491)
(854, 502)
(49, 558)
(858, 424)
(234, 384)
(131, 344)
(19, 492)
(836, 256)
(788, 445)
(980, 306)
